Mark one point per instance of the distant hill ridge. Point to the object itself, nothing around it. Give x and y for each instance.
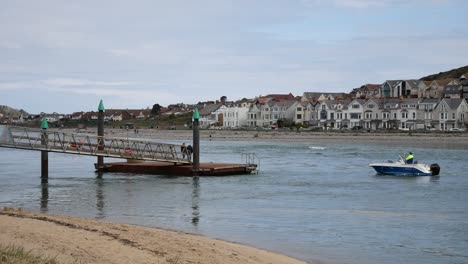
(12, 112)
(454, 73)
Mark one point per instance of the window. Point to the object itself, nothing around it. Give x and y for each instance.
(299, 109)
(323, 115)
(355, 106)
(298, 116)
(332, 115)
(323, 107)
(394, 116)
(371, 106)
(414, 115)
(404, 115)
(355, 115)
(453, 116)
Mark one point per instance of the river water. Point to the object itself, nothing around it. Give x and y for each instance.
(311, 201)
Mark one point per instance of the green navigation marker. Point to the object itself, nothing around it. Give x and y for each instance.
(44, 124)
(101, 106)
(196, 115)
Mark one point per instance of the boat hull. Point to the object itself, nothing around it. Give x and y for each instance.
(402, 169)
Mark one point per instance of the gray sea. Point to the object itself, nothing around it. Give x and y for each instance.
(311, 201)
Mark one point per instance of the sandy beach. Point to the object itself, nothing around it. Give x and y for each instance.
(76, 240)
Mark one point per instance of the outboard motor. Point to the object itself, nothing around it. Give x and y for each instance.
(435, 169)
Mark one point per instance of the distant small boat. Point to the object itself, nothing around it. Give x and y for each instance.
(400, 168)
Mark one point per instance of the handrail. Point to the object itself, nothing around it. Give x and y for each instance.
(86, 144)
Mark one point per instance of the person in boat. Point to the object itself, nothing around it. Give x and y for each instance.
(409, 159)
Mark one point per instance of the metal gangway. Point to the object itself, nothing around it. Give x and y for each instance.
(91, 145)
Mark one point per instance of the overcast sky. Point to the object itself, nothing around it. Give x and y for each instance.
(64, 56)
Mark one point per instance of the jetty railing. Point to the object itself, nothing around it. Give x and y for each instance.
(251, 159)
(86, 144)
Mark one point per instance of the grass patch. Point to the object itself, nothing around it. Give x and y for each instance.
(18, 255)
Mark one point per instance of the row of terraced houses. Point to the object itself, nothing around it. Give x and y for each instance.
(395, 104)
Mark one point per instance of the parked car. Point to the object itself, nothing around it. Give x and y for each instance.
(454, 129)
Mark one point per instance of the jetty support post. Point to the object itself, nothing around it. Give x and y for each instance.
(44, 153)
(196, 142)
(100, 132)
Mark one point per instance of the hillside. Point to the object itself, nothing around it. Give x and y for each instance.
(455, 73)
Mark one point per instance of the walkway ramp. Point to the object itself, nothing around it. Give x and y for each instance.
(91, 145)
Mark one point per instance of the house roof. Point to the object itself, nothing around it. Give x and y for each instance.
(286, 104)
(207, 110)
(444, 82)
(312, 96)
(427, 83)
(413, 83)
(429, 101)
(394, 83)
(452, 89)
(275, 97)
(453, 103)
(373, 86)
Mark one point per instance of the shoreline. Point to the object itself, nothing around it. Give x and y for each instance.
(434, 139)
(72, 239)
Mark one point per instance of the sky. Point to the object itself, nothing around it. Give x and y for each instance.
(65, 56)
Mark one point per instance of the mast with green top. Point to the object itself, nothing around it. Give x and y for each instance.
(100, 159)
(196, 142)
(44, 153)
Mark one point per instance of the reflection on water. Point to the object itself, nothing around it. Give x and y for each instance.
(308, 202)
(195, 201)
(99, 196)
(44, 195)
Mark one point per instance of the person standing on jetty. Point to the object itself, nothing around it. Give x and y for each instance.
(189, 151)
(183, 149)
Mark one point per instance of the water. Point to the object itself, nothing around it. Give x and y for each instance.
(310, 201)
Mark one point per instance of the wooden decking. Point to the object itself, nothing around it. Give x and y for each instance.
(165, 168)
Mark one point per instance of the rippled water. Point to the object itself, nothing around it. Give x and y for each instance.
(310, 201)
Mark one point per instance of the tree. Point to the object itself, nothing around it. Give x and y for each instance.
(223, 99)
(156, 110)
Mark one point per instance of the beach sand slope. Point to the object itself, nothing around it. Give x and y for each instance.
(76, 240)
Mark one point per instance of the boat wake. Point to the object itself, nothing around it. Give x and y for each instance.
(316, 148)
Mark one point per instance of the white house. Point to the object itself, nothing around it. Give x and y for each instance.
(235, 115)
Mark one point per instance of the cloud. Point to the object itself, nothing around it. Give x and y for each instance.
(65, 82)
(164, 52)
